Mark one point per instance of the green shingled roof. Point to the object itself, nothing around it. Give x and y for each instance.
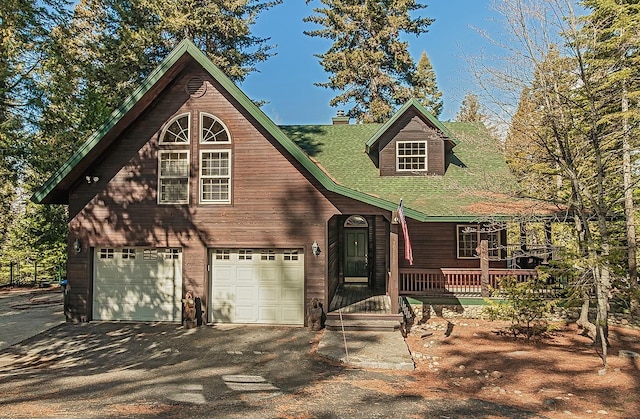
(477, 182)
(335, 156)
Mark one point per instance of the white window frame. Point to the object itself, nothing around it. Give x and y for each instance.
(150, 254)
(494, 245)
(223, 254)
(162, 177)
(458, 243)
(202, 130)
(203, 177)
(171, 122)
(107, 253)
(128, 253)
(420, 156)
(268, 254)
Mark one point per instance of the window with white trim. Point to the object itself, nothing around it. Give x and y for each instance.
(107, 253)
(128, 253)
(467, 241)
(223, 254)
(267, 254)
(411, 156)
(172, 253)
(173, 161)
(173, 177)
(178, 131)
(493, 243)
(290, 255)
(212, 130)
(215, 176)
(469, 237)
(150, 254)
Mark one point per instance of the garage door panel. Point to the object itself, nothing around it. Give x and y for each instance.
(290, 295)
(245, 274)
(246, 294)
(291, 314)
(268, 314)
(129, 287)
(224, 293)
(258, 289)
(268, 295)
(269, 275)
(292, 274)
(245, 313)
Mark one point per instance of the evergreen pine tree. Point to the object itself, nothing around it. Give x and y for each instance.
(425, 87)
(368, 62)
(470, 110)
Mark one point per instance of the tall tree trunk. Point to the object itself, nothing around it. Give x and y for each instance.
(603, 287)
(632, 273)
(589, 328)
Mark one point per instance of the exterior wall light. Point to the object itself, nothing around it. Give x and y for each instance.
(315, 248)
(77, 246)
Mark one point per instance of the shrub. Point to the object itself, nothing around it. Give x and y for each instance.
(525, 304)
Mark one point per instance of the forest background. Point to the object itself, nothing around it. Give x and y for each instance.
(559, 84)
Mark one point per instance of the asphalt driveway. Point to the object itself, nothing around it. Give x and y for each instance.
(163, 370)
(25, 312)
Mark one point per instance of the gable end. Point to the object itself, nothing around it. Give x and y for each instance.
(412, 148)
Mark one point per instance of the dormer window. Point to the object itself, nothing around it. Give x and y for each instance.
(411, 156)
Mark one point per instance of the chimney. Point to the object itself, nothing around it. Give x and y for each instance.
(340, 119)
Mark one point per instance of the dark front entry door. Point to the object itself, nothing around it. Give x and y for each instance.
(356, 253)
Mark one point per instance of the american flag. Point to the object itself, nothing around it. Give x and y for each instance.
(408, 252)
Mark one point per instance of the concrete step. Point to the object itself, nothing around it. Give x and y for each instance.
(369, 325)
(334, 315)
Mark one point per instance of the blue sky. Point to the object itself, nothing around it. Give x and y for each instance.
(287, 80)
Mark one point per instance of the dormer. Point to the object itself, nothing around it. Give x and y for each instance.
(412, 143)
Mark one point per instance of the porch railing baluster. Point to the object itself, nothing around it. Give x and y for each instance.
(454, 281)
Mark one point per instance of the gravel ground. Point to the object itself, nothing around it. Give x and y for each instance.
(163, 370)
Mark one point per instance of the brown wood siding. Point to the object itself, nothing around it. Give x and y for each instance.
(411, 127)
(79, 292)
(333, 256)
(273, 204)
(381, 227)
(434, 246)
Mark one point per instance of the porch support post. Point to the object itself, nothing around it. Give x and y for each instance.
(548, 241)
(392, 286)
(523, 237)
(484, 268)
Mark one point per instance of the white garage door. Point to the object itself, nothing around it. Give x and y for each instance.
(257, 286)
(141, 284)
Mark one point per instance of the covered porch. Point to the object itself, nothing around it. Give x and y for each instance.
(439, 269)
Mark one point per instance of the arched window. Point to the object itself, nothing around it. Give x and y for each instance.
(212, 130)
(177, 131)
(215, 161)
(173, 161)
(356, 221)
